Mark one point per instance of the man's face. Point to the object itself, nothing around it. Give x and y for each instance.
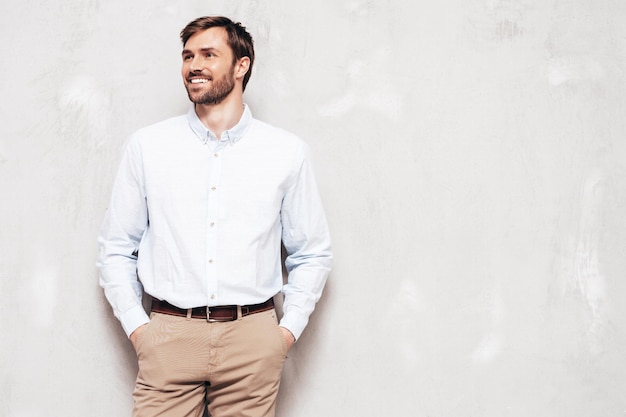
(208, 69)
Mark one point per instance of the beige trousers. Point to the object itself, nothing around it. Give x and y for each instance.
(230, 368)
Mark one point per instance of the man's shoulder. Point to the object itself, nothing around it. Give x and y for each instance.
(162, 127)
(276, 135)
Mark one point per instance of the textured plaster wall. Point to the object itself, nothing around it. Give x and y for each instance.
(472, 160)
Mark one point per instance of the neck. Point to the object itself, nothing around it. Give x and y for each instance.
(222, 116)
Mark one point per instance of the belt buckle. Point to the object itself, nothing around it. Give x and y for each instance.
(219, 320)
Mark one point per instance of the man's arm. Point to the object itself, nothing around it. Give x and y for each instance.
(124, 225)
(307, 241)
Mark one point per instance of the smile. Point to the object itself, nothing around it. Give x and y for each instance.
(199, 81)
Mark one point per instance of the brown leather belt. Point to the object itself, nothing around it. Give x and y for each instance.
(221, 313)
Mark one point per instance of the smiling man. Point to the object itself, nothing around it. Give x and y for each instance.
(198, 212)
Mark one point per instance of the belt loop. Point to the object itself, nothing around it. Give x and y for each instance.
(208, 313)
(239, 315)
(189, 314)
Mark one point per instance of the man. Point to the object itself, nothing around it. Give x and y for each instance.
(198, 211)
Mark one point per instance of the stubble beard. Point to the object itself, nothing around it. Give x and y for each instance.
(217, 93)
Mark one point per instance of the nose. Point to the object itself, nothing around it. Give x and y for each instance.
(195, 64)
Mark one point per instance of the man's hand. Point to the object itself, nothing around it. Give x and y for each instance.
(289, 338)
(135, 335)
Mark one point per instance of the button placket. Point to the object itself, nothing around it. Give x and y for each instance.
(213, 205)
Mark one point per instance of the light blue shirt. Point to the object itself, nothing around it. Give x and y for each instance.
(200, 221)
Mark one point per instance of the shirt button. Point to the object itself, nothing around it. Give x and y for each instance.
(216, 155)
(212, 296)
(213, 188)
(212, 224)
(210, 261)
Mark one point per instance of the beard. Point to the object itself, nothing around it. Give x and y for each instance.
(217, 93)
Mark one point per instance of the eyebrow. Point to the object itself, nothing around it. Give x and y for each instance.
(207, 49)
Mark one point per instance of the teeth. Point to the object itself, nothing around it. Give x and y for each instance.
(199, 80)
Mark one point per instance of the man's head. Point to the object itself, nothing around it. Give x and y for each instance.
(238, 38)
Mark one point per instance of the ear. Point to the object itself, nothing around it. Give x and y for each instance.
(241, 67)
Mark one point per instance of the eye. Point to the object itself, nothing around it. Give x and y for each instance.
(187, 57)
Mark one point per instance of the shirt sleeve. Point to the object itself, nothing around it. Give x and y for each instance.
(306, 239)
(124, 224)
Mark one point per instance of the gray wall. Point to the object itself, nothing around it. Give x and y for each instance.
(471, 157)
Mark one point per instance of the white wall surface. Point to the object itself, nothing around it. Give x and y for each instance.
(471, 156)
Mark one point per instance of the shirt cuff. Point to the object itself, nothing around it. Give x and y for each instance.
(134, 318)
(295, 323)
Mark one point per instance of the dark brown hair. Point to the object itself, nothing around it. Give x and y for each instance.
(239, 40)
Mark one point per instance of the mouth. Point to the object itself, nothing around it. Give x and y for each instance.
(198, 80)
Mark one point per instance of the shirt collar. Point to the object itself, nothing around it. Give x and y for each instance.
(232, 135)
